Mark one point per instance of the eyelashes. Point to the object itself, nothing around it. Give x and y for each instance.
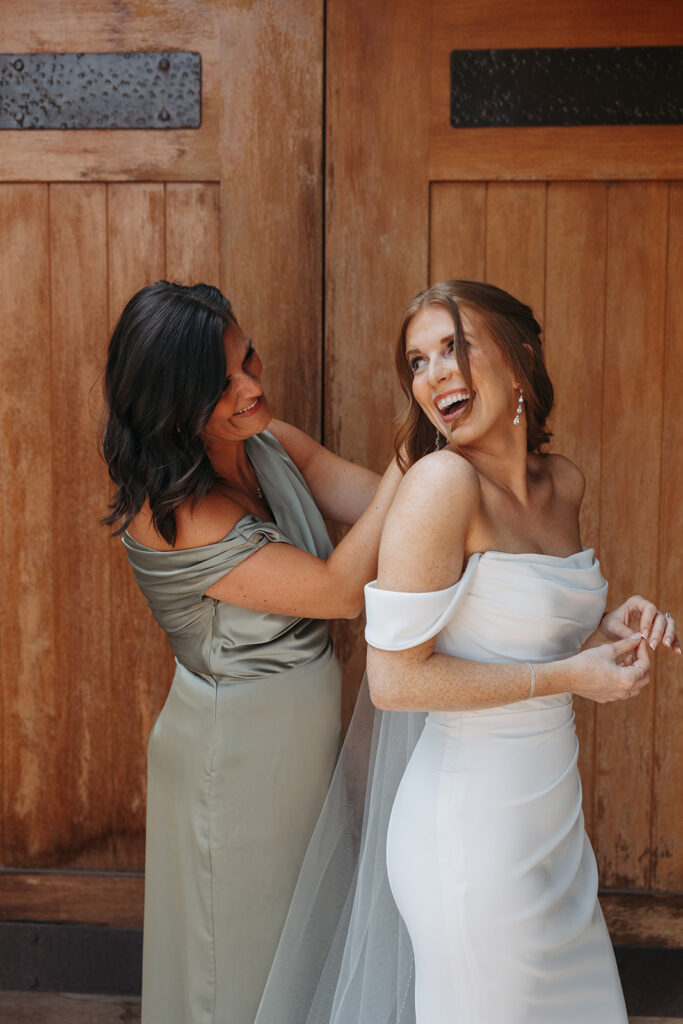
(251, 351)
(416, 361)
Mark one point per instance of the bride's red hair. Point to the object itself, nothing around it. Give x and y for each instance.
(514, 329)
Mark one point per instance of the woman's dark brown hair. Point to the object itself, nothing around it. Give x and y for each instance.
(517, 333)
(165, 373)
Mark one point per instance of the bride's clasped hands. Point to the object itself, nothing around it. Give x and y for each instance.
(615, 646)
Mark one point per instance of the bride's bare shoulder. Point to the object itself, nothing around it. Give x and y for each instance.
(441, 488)
(442, 470)
(568, 480)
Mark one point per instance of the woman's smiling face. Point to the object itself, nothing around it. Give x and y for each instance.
(466, 415)
(242, 410)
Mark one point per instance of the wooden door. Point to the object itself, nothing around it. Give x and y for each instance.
(87, 218)
(585, 224)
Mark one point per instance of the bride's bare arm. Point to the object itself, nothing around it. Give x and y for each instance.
(422, 550)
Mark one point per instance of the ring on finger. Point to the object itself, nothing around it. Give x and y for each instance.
(668, 615)
(628, 695)
(642, 671)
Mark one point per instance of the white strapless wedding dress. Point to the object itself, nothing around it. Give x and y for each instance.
(487, 855)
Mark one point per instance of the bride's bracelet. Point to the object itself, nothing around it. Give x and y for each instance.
(533, 679)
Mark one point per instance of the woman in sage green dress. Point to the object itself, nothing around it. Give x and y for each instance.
(222, 521)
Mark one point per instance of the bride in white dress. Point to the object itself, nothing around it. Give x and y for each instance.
(484, 593)
(488, 614)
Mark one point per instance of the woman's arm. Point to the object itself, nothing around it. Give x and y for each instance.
(423, 549)
(342, 490)
(284, 580)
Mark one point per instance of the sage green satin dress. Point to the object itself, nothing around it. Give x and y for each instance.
(240, 759)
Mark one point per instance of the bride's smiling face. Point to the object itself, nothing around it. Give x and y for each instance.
(465, 415)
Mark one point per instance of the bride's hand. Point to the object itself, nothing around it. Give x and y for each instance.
(609, 672)
(638, 614)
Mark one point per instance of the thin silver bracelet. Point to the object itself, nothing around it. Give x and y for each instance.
(533, 680)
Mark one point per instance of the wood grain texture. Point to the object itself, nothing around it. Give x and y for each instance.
(192, 233)
(574, 341)
(644, 919)
(649, 151)
(629, 508)
(556, 154)
(667, 824)
(515, 241)
(377, 230)
(116, 25)
(81, 785)
(377, 214)
(69, 1008)
(30, 686)
(457, 231)
(141, 668)
(109, 899)
(271, 193)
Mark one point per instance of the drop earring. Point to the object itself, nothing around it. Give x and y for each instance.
(437, 442)
(519, 408)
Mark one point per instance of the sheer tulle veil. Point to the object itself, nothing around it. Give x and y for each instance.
(345, 956)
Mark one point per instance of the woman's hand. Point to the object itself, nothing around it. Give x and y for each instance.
(637, 614)
(608, 672)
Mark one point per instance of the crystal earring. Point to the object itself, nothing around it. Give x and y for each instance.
(437, 442)
(519, 408)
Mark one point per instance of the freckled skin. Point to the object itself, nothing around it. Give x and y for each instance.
(483, 492)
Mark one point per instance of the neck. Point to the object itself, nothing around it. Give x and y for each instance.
(504, 463)
(230, 462)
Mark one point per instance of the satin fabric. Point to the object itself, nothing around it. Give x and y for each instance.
(487, 855)
(239, 762)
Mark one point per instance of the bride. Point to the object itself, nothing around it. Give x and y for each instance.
(488, 614)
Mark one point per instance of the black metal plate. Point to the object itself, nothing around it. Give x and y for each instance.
(591, 86)
(100, 90)
(70, 958)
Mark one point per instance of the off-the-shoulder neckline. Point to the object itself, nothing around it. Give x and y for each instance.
(129, 539)
(476, 557)
(531, 555)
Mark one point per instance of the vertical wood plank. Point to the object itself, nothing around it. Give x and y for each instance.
(140, 659)
(377, 225)
(271, 193)
(377, 213)
(81, 786)
(457, 230)
(667, 831)
(515, 240)
(192, 233)
(30, 688)
(574, 341)
(629, 507)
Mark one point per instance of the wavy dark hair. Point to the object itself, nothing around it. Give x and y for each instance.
(517, 333)
(165, 373)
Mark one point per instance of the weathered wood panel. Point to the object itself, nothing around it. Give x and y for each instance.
(377, 214)
(376, 231)
(629, 507)
(457, 231)
(515, 241)
(192, 233)
(574, 350)
(667, 825)
(644, 919)
(82, 785)
(650, 151)
(140, 660)
(89, 897)
(271, 145)
(30, 687)
(80, 26)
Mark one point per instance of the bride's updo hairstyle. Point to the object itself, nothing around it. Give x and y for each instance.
(164, 375)
(517, 333)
